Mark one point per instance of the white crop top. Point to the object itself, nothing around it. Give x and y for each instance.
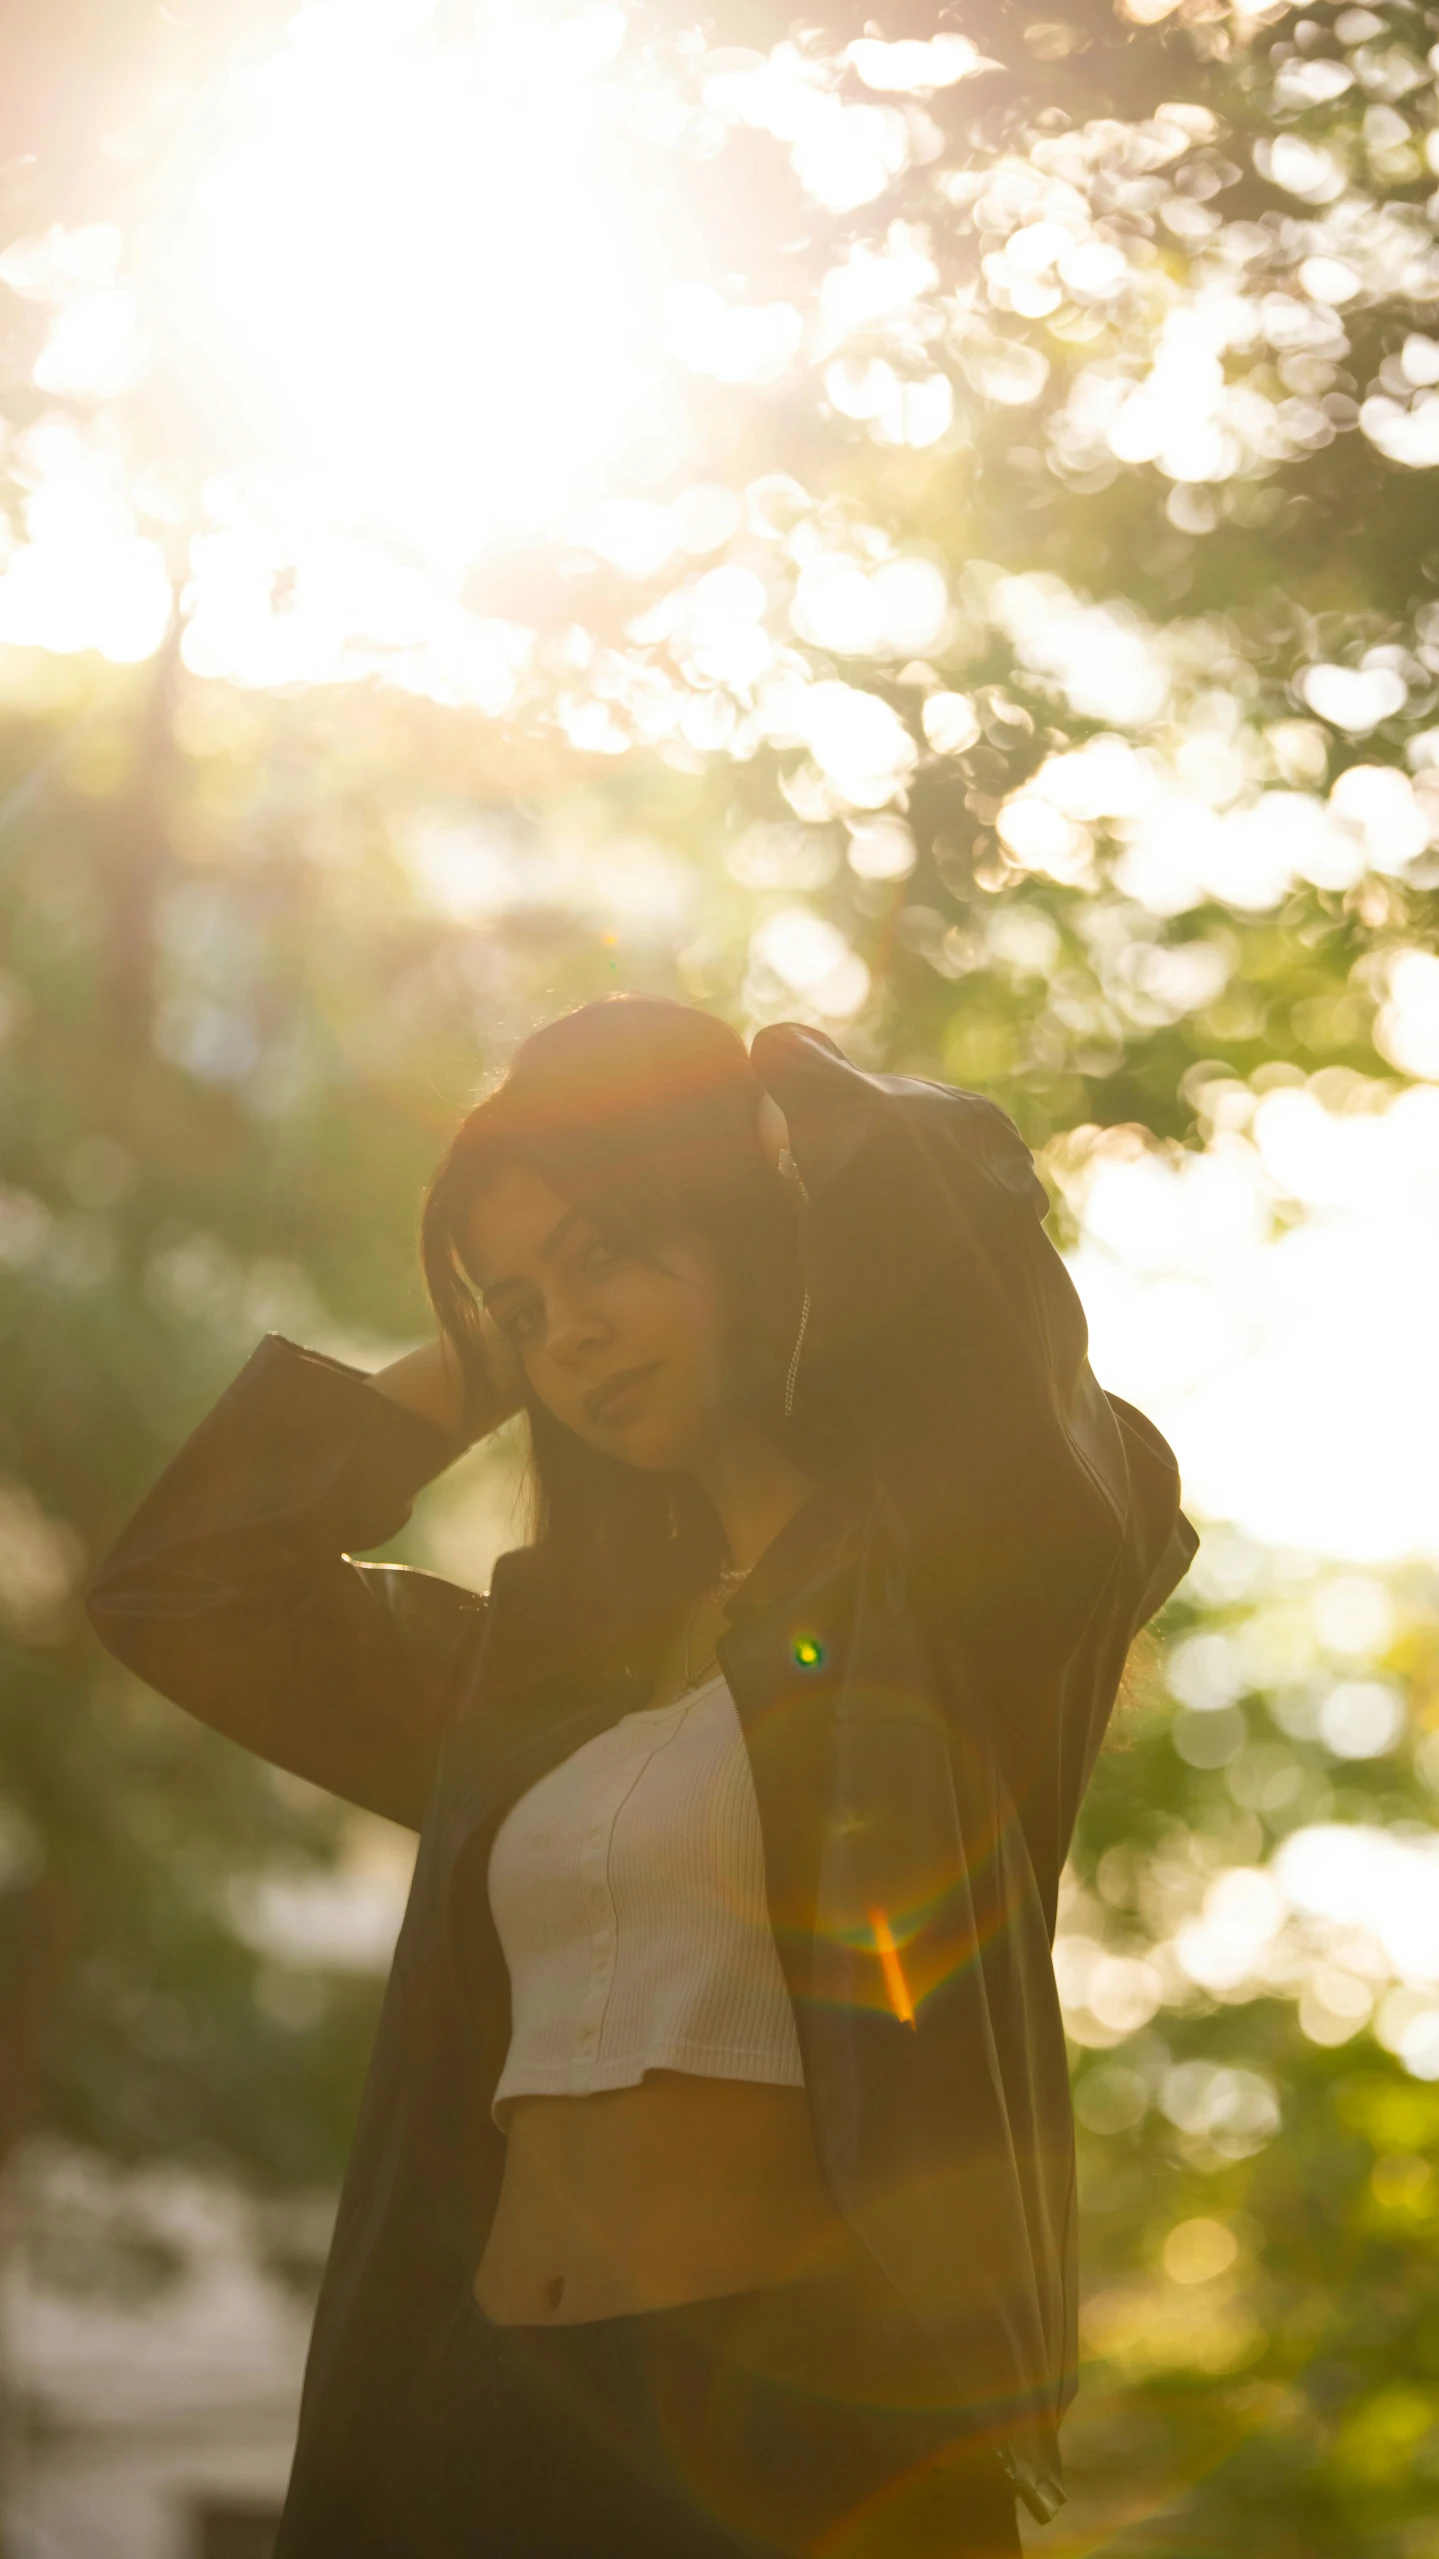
(628, 1890)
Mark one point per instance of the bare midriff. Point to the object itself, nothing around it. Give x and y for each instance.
(679, 2189)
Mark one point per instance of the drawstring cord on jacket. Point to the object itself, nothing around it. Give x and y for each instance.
(791, 1173)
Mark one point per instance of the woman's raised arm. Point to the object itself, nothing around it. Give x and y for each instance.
(948, 1334)
(232, 1589)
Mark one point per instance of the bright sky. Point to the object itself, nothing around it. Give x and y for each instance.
(1271, 1305)
(403, 298)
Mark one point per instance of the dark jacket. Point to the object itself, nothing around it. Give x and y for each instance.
(923, 1663)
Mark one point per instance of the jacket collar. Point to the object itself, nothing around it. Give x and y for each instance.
(540, 1626)
(826, 1530)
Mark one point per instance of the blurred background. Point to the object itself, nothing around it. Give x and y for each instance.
(922, 526)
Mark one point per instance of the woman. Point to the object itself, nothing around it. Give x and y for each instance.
(713, 2190)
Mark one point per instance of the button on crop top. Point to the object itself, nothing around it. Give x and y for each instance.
(628, 1891)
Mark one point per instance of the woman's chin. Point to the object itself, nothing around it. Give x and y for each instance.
(655, 1452)
(643, 1442)
(645, 1431)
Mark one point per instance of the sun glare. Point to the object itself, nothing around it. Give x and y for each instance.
(418, 272)
(394, 299)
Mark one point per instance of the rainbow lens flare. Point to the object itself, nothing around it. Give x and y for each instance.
(896, 1987)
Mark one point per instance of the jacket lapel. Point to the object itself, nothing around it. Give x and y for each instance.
(894, 1869)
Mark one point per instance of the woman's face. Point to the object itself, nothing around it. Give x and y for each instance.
(628, 1356)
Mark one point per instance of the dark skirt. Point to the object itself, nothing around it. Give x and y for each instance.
(808, 2419)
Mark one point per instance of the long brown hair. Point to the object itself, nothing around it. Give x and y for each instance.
(643, 1112)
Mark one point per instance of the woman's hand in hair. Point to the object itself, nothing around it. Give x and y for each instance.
(428, 1382)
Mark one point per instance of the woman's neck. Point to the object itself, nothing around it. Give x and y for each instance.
(755, 1491)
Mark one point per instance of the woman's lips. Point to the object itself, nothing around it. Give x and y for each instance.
(613, 1402)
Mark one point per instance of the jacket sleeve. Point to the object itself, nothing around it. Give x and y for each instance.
(947, 1335)
(232, 1591)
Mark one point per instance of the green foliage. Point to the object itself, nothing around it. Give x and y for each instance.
(162, 1203)
(1260, 2179)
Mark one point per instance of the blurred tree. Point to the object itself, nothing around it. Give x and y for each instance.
(235, 1040)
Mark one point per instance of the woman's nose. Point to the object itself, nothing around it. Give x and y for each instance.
(571, 1333)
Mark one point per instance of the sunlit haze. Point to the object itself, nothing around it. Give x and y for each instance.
(415, 266)
(833, 520)
(395, 303)
(402, 303)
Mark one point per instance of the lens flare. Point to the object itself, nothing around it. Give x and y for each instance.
(892, 1969)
